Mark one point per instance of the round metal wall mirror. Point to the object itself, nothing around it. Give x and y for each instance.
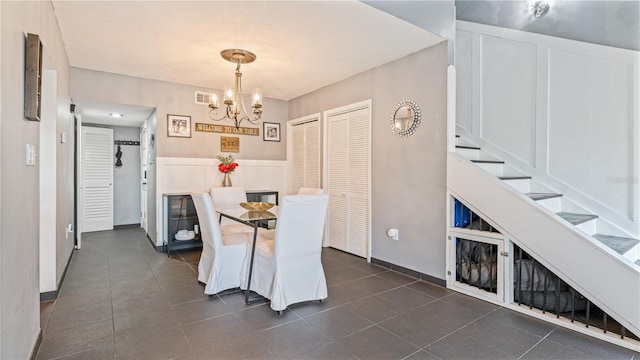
(405, 118)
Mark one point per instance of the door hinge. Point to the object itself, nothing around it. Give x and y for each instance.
(504, 253)
(448, 272)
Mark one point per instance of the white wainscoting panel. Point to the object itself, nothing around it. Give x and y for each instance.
(464, 80)
(186, 175)
(178, 178)
(563, 111)
(509, 96)
(591, 127)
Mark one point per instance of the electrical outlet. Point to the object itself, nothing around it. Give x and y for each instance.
(68, 229)
(31, 155)
(393, 233)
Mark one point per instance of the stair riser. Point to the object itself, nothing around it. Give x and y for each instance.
(522, 185)
(470, 154)
(588, 226)
(493, 168)
(633, 254)
(554, 204)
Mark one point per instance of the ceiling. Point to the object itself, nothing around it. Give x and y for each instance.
(99, 113)
(301, 46)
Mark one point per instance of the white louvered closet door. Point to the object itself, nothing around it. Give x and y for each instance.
(358, 190)
(337, 180)
(305, 157)
(348, 162)
(97, 179)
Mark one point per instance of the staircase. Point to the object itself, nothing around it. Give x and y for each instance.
(590, 254)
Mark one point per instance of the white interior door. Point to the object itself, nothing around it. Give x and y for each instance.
(347, 177)
(97, 179)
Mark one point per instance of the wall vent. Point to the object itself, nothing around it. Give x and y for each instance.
(203, 98)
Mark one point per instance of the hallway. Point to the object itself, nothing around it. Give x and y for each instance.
(120, 298)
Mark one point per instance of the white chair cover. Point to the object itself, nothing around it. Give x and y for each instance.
(222, 255)
(270, 233)
(288, 270)
(229, 197)
(310, 191)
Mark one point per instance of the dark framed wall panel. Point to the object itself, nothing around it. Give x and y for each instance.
(33, 78)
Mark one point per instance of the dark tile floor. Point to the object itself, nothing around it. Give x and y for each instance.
(120, 298)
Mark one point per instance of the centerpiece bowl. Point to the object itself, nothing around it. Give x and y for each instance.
(257, 206)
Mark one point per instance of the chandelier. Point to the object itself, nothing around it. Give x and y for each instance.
(232, 100)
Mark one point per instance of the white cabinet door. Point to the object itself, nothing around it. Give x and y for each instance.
(97, 179)
(348, 180)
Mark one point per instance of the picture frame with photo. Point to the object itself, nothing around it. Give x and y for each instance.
(270, 131)
(178, 126)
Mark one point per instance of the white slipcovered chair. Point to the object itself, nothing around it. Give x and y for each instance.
(229, 197)
(269, 234)
(287, 269)
(310, 191)
(222, 255)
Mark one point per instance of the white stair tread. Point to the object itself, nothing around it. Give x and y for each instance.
(575, 218)
(514, 177)
(620, 244)
(542, 196)
(487, 161)
(467, 147)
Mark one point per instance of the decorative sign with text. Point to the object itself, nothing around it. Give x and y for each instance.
(227, 129)
(229, 144)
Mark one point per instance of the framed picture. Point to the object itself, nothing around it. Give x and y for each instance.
(178, 126)
(270, 131)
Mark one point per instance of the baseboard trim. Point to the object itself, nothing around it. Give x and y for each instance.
(158, 248)
(36, 346)
(125, 226)
(412, 273)
(52, 295)
(49, 295)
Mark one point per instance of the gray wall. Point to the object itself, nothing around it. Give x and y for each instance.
(1, 176)
(171, 98)
(19, 243)
(611, 23)
(408, 175)
(127, 179)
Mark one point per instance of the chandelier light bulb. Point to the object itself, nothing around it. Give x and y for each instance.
(257, 98)
(214, 100)
(228, 95)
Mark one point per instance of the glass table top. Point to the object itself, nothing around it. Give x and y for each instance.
(242, 214)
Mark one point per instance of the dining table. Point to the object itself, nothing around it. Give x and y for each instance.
(251, 218)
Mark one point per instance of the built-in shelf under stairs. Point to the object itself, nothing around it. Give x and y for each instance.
(612, 284)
